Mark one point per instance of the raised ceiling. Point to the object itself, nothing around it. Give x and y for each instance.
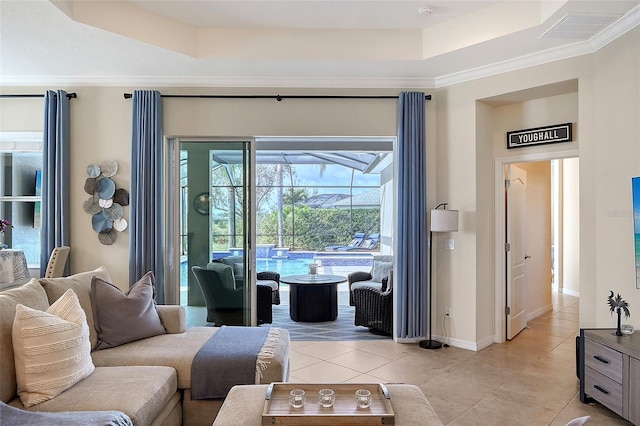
(296, 43)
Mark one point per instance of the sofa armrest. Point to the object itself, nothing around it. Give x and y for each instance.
(174, 318)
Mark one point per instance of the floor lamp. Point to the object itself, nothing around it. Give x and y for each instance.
(441, 221)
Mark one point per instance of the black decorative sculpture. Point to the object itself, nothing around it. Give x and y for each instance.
(618, 305)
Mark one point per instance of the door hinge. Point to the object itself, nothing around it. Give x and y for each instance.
(507, 247)
(507, 311)
(507, 183)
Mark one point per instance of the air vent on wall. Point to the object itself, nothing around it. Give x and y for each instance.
(580, 26)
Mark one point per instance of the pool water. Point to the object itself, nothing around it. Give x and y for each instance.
(282, 266)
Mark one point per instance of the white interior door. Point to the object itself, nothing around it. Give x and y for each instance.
(516, 315)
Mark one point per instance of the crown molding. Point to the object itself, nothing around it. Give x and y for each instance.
(515, 64)
(622, 26)
(224, 81)
(609, 34)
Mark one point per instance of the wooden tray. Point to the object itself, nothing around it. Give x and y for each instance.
(277, 410)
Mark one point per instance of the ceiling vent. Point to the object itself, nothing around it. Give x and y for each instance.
(580, 26)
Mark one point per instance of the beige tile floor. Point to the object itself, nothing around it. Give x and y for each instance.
(530, 380)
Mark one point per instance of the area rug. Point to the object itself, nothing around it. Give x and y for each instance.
(342, 328)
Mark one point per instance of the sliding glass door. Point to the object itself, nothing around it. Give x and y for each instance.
(213, 225)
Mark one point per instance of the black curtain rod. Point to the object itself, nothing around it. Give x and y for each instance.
(36, 95)
(278, 97)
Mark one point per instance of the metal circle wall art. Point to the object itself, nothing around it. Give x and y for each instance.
(106, 202)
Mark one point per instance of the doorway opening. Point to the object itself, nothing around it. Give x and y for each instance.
(537, 240)
(309, 198)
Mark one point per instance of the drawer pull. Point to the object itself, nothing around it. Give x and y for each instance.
(604, 391)
(602, 360)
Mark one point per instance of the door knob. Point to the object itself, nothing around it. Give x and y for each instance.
(526, 256)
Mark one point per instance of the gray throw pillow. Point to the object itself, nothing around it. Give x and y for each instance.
(380, 270)
(121, 318)
(238, 270)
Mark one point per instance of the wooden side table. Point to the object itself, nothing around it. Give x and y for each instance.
(609, 370)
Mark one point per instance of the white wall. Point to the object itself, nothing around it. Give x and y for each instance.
(606, 167)
(461, 170)
(608, 131)
(101, 127)
(571, 226)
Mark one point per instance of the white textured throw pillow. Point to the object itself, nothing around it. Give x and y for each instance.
(51, 349)
(380, 270)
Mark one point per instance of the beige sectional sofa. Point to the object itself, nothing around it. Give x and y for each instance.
(148, 379)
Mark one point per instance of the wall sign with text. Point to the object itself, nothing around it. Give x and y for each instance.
(539, 136)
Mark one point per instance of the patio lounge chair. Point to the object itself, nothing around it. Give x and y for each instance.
(369, 243)
(357, 239)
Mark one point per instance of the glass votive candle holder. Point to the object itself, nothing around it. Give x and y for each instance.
(627, 329)
(326, 397)
(313, 269)
(363, 398)
(296, 398)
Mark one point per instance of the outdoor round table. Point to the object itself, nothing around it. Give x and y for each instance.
(313, 298)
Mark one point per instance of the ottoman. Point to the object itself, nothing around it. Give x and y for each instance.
(244, 405)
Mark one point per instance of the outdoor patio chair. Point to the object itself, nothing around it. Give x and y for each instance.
(374, 309)
(225, 303)
(357, 239)
(268, 278)
(381, 272)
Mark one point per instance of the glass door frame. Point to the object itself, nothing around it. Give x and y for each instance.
(172, 207)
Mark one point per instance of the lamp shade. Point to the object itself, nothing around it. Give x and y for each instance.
(444, 220)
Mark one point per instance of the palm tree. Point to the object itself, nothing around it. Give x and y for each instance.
(618, 305)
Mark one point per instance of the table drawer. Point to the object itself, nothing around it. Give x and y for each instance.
(603, 390)
(604, 360)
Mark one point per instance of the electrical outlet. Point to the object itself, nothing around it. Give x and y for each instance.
(447, 312)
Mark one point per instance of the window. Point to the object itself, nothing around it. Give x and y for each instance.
(20, 191)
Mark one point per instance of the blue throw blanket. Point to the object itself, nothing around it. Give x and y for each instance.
(12, 416)
(227, 359)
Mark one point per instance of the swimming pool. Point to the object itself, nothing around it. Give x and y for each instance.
(282, 266)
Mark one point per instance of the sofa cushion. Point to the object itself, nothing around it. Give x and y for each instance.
(171, 350)
(120, 317)
(273, 285)
(51, 349)
(30, 294)
(142, 393)
(178, 350)
(371, 284)
(81, 284)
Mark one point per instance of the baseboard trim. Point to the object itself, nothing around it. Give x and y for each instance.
(458, 343)
(535, 314)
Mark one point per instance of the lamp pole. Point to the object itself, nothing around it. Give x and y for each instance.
(430, 343)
